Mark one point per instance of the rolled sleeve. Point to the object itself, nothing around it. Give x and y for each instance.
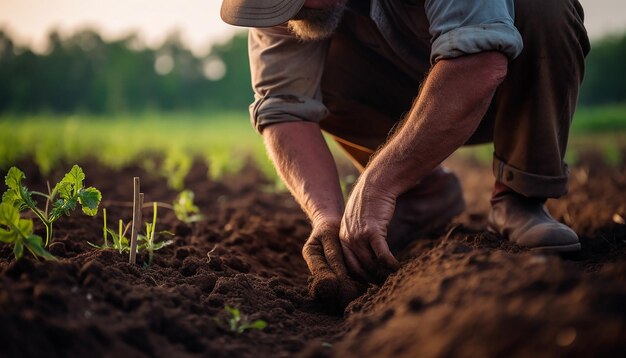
(286, 75)
(471, 26)
(285, 108)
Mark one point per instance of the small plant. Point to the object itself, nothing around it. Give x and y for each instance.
(147, 240)
(235, 322)
(69, 190)
(19, 232)
(119, 239)
(122, 244)
(185, 209)
(175, 168)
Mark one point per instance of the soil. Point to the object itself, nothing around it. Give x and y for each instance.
(465, 293)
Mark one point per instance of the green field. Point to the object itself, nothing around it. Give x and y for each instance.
(225, 140)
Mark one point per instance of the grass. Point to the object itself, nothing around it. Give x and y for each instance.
(225, 140)
(601, 119)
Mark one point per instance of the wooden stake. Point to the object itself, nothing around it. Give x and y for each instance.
(136, 221)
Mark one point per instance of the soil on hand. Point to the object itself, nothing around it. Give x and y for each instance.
(465, 293)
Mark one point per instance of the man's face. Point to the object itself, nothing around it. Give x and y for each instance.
(317, 19)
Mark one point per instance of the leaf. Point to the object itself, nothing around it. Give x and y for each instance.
(35, 244)
(11, 197)
(258, 324)
(9, 216)
(101, 247)
(25, 226)
(185, 209)
(162, 244)
(26, 199)
(89, 199)
(17, 195)
(74, 178)
(20, 232)
(14, 178)
(10, 224)
(18, 249)
(62, 207)
(64, 190)
(6, 236)
(233, 312)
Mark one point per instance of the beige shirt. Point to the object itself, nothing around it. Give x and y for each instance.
(286, 72)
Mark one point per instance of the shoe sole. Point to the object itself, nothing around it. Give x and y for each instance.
(545, 249)
(557, 249)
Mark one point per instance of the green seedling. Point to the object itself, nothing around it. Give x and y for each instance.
(119, 240)
(175, 168)
(19, 232)
(63, 198)
(235, 322)
(184, 208)
(121, 243)
(148, 240)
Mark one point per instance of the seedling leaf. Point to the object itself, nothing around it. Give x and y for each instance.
(70, 190)
(25, 226)
(184, 208)
(17, 195)
(62, 207)
(14, 178)
(89, 199)
(237, 322)
(34, 243)
(18, 250)
(9, 215)
(71, 183)
(234, 312)
(19, 231)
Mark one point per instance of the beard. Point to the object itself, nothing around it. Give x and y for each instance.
(316, 24)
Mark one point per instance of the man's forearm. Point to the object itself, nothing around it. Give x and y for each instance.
(305, 164)
(453, 100)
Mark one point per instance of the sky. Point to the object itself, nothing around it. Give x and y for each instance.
(198, 21)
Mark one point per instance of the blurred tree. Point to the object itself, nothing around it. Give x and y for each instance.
(83, 72)
(605, 76)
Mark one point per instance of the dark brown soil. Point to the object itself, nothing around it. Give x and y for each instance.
(467, 293)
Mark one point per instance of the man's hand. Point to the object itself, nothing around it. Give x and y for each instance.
(454, 98)
(364, 231)
(306, 165)
(323, 255)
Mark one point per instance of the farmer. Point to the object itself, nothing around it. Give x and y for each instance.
(400, 85)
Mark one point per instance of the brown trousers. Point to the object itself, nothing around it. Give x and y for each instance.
(368, 89)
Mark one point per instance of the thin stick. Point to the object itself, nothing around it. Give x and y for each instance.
(136, 221)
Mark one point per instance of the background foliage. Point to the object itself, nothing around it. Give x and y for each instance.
(84, 73)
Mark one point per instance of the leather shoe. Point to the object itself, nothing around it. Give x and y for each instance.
(526, 222)
(425, 209)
